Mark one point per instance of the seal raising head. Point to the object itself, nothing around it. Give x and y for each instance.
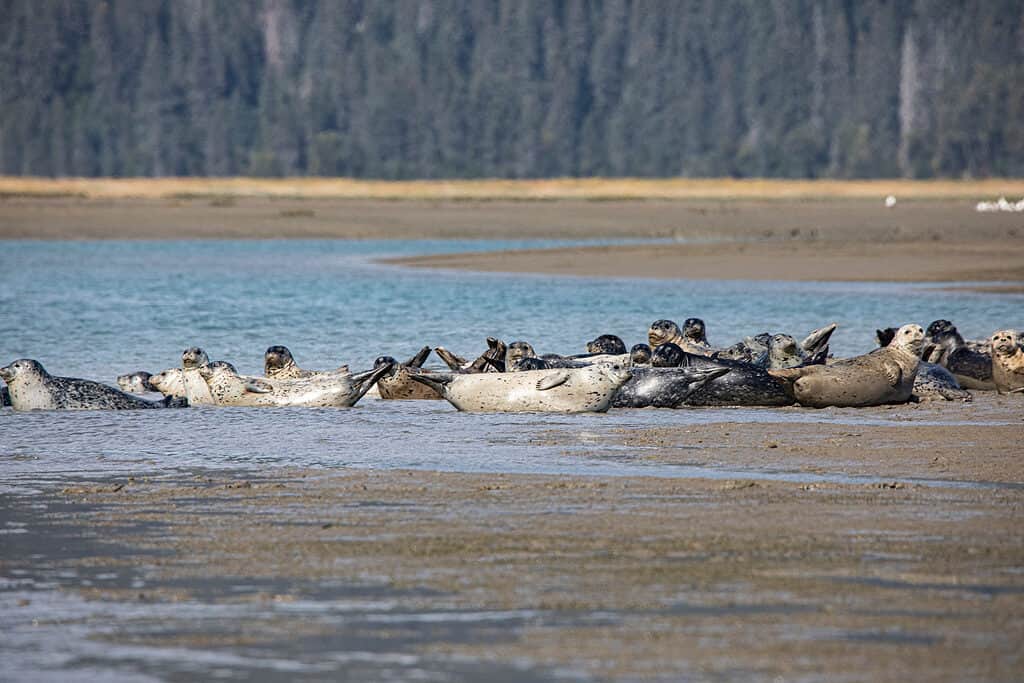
(1007, 362)
(193, 358)
(663, 332)
(607, 343)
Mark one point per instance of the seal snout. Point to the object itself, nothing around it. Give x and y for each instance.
(7, 372)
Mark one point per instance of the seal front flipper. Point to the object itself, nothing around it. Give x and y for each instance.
(419, 359)
(257, 387)
(555, 379)
(893, 372)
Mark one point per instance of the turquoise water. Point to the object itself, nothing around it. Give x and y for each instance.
(99, 309)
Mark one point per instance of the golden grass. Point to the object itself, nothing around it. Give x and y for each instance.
(597, 189)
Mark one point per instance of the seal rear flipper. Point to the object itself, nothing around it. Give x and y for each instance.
(555, 379)
(450, 359)
(818, 338)
(362, 382)
(437, 381)
(820, 358)
(419, 359)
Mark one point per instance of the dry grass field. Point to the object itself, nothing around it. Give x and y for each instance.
(549, 189)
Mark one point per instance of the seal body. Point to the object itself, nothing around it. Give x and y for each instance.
(1007, 362)
(278, 363)
(566, 390)
(170, 382)
(745, 385)
(396, 384)
(135, 383)
(933, 382)
(972, 369)
(663, 387)
(885, 375)
(32, 388)
(196, 390)
(341, 390)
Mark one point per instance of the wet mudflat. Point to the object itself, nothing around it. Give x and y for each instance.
(338, 574)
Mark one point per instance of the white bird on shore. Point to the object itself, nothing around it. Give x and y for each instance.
(890, 201)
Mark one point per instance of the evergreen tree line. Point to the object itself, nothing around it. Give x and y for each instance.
(512, 88)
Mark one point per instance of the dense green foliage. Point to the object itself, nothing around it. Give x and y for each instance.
(512, 88)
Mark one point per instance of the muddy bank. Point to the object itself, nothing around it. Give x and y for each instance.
(799, 220)
(449, 576)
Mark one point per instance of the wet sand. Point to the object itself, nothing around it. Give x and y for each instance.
(914, 573)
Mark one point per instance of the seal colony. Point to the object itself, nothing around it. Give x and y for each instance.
(676, 368)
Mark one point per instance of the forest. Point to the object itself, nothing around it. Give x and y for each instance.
(402, 89)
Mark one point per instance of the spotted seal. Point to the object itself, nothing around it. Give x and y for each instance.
(745, 385)
(170, 382)
(340, 390)
(885, 375)
(640, 354)
(135, 383)
(278, 363)
(31, 387)
(663, 387)
(397, 384)
(946, 347)
(1007, 362)
(667, 332)
(196, 390)
(933, 382)
(566, 390)
(607, 344)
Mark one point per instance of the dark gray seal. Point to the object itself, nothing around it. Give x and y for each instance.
(663, 387)
(136, 382)
(607, 344)
(519, 351)
(946, 347)
(933, 382)
(5, 397)
(33, 388)
(745, 385)
(640, 354)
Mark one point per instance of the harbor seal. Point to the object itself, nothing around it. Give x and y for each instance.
(519, 351)
(566, 390)
(695, 333)
(663, 387)
(396, 384)
(170, 382)
(1007, 362)
(885, 375)
(31, 387)
(135, 383)
(640, 354)
(933, 382)
(278, 363)
(745, 385)
(607, 344)
(341, 390)
(946, 347)
(667, 332)
(196, 390)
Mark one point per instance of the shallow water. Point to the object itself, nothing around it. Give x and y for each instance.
(99, 309)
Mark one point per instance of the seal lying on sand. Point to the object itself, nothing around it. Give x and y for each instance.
(745, 385)
(663, 387)
(32, 388)
(341, 390)
(491, 360)
(196, 390)
(933, 382)
(568, 390)
(1007, 362)
(945, 346)
(278, 363)
(396, 383)
(885, 375)
(135, 383)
